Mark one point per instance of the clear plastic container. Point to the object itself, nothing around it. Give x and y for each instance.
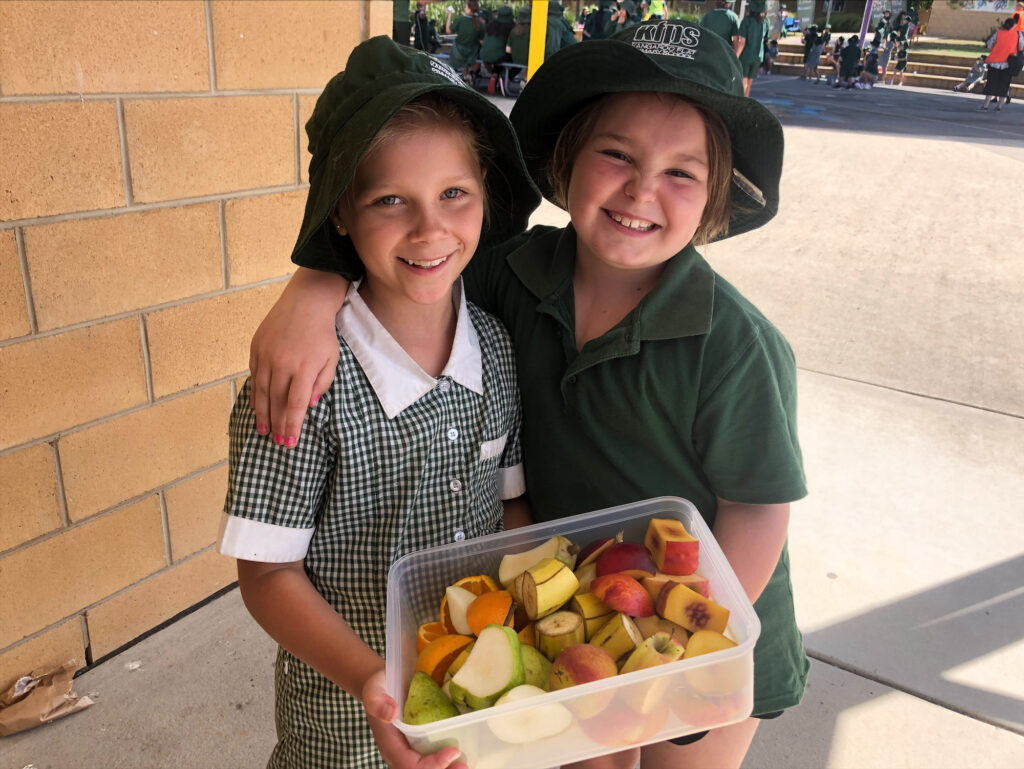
(650, 705)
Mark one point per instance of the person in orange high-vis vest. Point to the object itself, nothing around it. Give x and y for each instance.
(1007, 41)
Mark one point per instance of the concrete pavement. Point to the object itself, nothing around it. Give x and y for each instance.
(895, 269)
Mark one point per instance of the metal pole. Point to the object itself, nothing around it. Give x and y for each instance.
(538, 36)
(866, 21)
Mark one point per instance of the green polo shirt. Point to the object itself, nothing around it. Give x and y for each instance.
(693, 394)
(722, 21)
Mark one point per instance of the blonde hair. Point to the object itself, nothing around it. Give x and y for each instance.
(429, 111)
(714, 220)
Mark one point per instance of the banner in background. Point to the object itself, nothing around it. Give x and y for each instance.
(989, 6)
(805, 12)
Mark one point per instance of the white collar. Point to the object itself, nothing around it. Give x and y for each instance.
(395, 377)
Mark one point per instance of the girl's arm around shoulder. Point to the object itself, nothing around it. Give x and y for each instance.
(283, 600)
(294, 352)
(752, 537)
(517, 512)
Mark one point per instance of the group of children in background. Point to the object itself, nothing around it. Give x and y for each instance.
(856, 66)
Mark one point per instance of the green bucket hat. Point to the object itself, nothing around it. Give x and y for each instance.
(381, 77)
(662, 57)
(505, 13)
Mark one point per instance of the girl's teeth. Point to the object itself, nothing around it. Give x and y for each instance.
(637, 224)
(425, 264)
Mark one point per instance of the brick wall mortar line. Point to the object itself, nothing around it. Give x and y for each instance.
(126, 167)
(156, 206)
(144, 311)
(210, 48)
(26, 279)
(225, 263)
(151, 95)
(298, 142)
(113, 509)
(62, 499)
(126, 412)
(165, 525)
(147, 364)
(85, 609)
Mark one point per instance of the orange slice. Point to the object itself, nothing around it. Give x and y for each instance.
(478, 584)
(494, 607)
(439, 654)
(427, 632)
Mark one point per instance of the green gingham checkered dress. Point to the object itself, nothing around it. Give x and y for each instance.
(372, 489)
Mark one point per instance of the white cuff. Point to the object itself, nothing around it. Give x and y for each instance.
(511, 482)
(264, 542)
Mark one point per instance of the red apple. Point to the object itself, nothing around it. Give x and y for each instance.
(626, 558)
(593, 549)
(673, 549)
(581, 664)
(624, 594)
(620, 727)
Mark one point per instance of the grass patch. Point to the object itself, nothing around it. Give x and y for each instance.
(967, 48)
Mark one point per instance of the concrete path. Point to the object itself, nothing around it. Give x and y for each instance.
(895, 268)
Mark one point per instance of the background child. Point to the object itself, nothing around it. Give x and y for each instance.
(416, 440)
(834, 58)
(642, 372)
(901, 65)
(771, 53)
(849, 57)
(469, 34)
(974, 76)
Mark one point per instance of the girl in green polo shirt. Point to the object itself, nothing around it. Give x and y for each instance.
(642, 372)
(469, 34)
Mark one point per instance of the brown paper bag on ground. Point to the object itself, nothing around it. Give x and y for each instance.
(40, 698)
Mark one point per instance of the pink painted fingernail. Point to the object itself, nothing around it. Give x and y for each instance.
(316, 400)
(291, 441)
(261, 429)
(278, 440)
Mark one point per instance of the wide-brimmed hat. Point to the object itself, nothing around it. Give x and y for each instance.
(662, 57)
(505, 13)
(381, 77)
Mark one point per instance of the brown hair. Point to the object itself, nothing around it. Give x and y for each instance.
(714, 220)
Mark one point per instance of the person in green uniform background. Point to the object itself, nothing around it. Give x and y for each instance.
(559, 33)
(597, 20)
(754, 33)
(722, 21)
(643, 373)
(469, 33)
(401, 24)
(493, 50)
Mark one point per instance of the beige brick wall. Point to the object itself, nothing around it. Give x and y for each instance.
(154, 172)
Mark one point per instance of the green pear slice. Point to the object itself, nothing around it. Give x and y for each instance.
(536, 667)
(530, 724)
(494, 666)
(426, 702)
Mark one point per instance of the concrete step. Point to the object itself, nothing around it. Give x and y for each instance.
(939, 77)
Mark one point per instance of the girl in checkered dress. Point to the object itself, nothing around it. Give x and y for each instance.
(415, 443)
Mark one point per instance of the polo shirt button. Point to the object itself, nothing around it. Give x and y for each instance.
(455, 485)
(444, 386)
(459, 535)
(572, 379)
(453, 434)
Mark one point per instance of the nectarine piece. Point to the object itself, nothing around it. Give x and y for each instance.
(695, 582)
(672, 548)
(677, 603)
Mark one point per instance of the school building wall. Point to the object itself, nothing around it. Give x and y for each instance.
(946, 21)
(152, 185)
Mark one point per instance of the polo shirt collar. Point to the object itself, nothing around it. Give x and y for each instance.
(680, 304)
(396, 378)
